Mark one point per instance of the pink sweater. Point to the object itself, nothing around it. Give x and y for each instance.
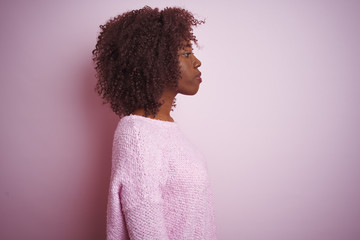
(159, 186)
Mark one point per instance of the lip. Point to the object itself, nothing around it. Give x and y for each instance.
(199, 77)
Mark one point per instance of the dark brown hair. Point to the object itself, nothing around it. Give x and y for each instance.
(136, 57)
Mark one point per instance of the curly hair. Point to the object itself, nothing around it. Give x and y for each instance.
(136, 57)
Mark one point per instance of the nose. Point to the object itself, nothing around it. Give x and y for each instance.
(197, 62)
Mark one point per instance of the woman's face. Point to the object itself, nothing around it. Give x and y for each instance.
(190, 79)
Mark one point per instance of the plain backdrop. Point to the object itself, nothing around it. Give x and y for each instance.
(277, 116)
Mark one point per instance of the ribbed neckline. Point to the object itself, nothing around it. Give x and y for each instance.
(152, 120)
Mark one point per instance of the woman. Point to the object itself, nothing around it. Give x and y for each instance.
(159, 183)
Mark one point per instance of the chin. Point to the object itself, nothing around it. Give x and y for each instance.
(189, 93)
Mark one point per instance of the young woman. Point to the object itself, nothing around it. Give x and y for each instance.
(159, 183)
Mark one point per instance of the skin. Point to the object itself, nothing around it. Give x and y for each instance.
(188, 83)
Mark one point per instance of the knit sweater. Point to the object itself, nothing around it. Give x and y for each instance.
(159, 186)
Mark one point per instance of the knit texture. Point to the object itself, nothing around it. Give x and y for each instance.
(159, 186)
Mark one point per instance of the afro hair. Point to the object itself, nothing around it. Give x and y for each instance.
(136, 57)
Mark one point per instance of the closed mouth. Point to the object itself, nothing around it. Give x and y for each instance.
(199, 77)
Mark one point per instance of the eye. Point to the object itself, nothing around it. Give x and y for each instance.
(187, 54)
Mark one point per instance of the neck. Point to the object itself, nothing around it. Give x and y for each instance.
(167, 100)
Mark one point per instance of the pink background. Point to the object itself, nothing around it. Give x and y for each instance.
(277, 116)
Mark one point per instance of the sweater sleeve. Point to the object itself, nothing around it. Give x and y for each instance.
(141, 179)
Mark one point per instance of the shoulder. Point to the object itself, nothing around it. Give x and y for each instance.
(137, 147)
(128, 133)
(132, 129)
(145, 129)
(141, 134)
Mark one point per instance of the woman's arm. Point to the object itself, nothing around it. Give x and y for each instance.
(138, 165)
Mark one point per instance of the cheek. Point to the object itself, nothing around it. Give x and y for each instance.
(185, 70)
(182, 68)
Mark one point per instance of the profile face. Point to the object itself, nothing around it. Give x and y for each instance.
(190, 79)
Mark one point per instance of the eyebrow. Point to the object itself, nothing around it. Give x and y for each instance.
(187, 46)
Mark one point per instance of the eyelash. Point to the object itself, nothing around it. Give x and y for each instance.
(187, 54)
